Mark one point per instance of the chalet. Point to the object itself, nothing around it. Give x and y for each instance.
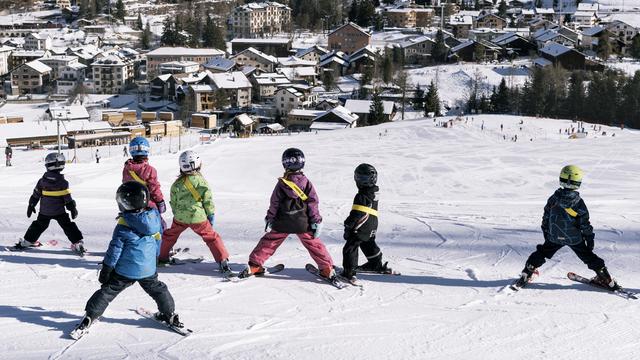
(236, 85)
(257, 59)
(289, 98)
(220, 64)
(460, 25)
(514, 44)
(178, 67)
(265, 85)
(31, 78)
(543, 37)
(591, 36)
(313, 53)
(301, 119)
(336, 118)
(169, 54)
(472, 50)
(585, 18)
(362, 108)
(417, 50)
(492, 21)
(348, 38)
(336, 62)
(367, 56)
(623, 31)
(243, 125)
(560, 55)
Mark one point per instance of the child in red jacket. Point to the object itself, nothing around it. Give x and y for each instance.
(138, 169)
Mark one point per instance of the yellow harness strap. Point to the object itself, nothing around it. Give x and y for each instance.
(137, 178)
(192, 189)
(295, 189)
(571, 212)
(56, 193)
(122, 221)
(365, 209)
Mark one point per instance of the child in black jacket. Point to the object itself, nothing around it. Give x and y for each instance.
(361, 226)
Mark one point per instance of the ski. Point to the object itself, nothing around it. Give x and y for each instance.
(243, 276)
(18, 247)
(152, 316)
(333, 281)
(178, 261)
(617, 290)
(77, 333)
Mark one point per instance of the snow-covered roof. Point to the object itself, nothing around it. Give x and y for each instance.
(220, 63)
(271, 79)
(177, 51)
(275, 127)
(593, 30)
(28, 53)
(203, 88)
(415, 41)
(364, 106)
(294, 61)
(353, 25)
(305, 112)
(555, 49)
(258, 53)
(340, 111)
(233, 80)
(260, 6)
(291, 91)
(545, 11)
(109, 60)
(628, 18)
(281, 41)
(542, 62)
(245, 119)
(461, 20)
(462, 46)
(48, 128)
(319, 49)
(73, 112)
(584, 14)
(38, 66)
(584, 6)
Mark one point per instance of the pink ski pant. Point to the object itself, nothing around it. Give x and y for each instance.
(204, 229)
(270, 242)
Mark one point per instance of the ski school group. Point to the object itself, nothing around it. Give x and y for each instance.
(142, 241)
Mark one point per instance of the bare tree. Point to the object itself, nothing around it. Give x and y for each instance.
(402, 82)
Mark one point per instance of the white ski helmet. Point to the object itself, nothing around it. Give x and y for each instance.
(189, 161)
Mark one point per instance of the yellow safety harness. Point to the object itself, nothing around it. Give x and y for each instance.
(123, 222)
(295, 189)
(137, 178)
(571, 212)
(365, 209)
(192, 189)
(56, 193)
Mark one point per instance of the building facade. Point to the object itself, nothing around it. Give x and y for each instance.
(258, 19)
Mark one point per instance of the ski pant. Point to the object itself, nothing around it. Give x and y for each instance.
(204, 229)
(8, 161)
(350, 252)
(99, 301)
(548, 249)
(270, 242)
(42, 223)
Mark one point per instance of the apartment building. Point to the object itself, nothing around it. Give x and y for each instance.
(258, 19)
(112, 74)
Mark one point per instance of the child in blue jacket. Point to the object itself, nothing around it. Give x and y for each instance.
(131, 257)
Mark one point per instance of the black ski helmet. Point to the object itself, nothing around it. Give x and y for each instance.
(365, 175)
(132, 196)
(54, 161)
(293, 159)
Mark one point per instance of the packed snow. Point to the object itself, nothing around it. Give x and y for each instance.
(460, 211)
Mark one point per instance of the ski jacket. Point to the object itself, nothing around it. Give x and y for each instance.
(8, 151)
(52, 191)
(135, 244)
(363, 218)
(288, 212)
(566, 219)
(145, 174)
(191, 200)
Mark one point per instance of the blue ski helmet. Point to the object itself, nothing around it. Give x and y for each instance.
(139, 146)
(293, 159)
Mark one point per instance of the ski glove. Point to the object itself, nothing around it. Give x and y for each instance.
(267, 225)
(211, 218)
(316, 227)
(105, 274)
(588, 240)
(30, 210)
(162, 207)
(71, 206)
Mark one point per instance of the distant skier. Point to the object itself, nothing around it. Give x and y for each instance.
(8, 154)
(293, 210)
(131, 257)
(125, 153)
(193, 208)
(566, 222)
(361, 226)
(138, 169)
(52, 191)
(97, 156)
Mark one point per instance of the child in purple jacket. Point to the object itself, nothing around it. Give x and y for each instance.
(293, 210)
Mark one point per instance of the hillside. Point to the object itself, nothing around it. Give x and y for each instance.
(460, 210)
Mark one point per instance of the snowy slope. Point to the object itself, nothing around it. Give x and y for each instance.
(460, 212)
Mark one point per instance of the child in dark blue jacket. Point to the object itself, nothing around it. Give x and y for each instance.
(566, 223)
(131, 257)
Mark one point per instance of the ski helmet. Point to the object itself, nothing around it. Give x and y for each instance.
(132, 196)
(365, 175)
(189, 161)
(293, 159)
(139, 146)
(54, 161)
(571, 177)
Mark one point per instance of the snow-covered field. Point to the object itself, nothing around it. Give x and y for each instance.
(460, 212)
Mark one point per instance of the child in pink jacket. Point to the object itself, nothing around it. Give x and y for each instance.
(138, 169)
(293, 210)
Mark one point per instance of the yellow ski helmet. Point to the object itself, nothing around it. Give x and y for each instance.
(571, 177)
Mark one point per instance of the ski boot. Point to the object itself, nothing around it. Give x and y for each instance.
(251, 270)
(164, 262)
(604, 278)
(527, 275)
(79, 248)
(24, 244)
(375, 265)
(82, 328)
(171, 319)
(349, 276)
(328, 273)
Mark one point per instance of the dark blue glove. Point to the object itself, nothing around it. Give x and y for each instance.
(211, 218)
(105, 274)
(588, 240)
(267, 225)
(71, 206)
(162, 207)
(30, 210)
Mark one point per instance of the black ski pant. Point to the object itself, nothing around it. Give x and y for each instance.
(99, 301)
(42, 223)
(548, 249)
(350, 252)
